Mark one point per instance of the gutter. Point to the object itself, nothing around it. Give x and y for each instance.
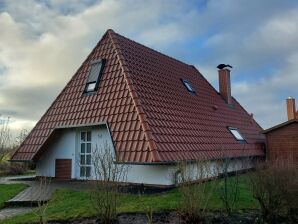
(187, 161)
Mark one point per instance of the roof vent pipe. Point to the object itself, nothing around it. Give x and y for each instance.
(225, 84)
(291, 108)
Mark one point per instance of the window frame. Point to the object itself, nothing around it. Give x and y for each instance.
(85, 154)
(188, 86)
(99, 76)
(242, 139)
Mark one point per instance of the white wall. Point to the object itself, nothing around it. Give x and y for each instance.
(67, 146)
(100, 136)
(150, 174)
(62, 148)
(165, 174)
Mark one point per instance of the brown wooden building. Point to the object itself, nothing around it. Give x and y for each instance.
(282, 139)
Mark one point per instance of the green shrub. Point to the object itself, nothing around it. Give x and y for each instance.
(275, 186)
(11, 169)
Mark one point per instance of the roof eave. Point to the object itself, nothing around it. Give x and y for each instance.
(280, 126)
(59, 128)
(20, 161)
(185, 161)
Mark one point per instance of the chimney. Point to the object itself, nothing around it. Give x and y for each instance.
(225, 84)
(291, 108)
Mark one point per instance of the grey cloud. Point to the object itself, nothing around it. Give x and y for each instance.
(27, 103)
(41, 50)
(266, 97)
(42, 43)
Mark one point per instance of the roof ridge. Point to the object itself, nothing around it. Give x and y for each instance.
(135, 98)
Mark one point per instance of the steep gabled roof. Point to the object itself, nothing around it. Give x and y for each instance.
(151, 115)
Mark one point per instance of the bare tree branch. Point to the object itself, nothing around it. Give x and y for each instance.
(5, 137)
(42, 203)
(195, 195)
(109, 175)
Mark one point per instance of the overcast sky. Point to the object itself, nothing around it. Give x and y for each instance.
(42, 44)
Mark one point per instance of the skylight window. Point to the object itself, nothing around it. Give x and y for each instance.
(236, 134)
(188, 86)
(96, 69)
(90, 87)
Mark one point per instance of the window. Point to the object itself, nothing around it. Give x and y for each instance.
(236, 134)
(90, 87)
(96, 69)
(188, 86)
(85, 154)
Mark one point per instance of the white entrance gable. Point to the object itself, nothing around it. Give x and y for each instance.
(68, 146)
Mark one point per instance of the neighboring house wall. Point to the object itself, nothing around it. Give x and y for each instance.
(67, 146)
(282, 144)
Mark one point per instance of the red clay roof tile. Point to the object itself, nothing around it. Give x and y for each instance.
(151, 115)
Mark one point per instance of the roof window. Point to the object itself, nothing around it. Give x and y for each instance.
(188, 86)
(90, 86)
(94, 77)
(236, 134)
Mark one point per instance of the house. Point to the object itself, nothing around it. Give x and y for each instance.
(151, 109)
(282, 139)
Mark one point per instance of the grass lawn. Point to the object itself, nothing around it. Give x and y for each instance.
(69, 204)
(7, 191)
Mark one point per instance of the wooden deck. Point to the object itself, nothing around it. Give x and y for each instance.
(31, 196)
